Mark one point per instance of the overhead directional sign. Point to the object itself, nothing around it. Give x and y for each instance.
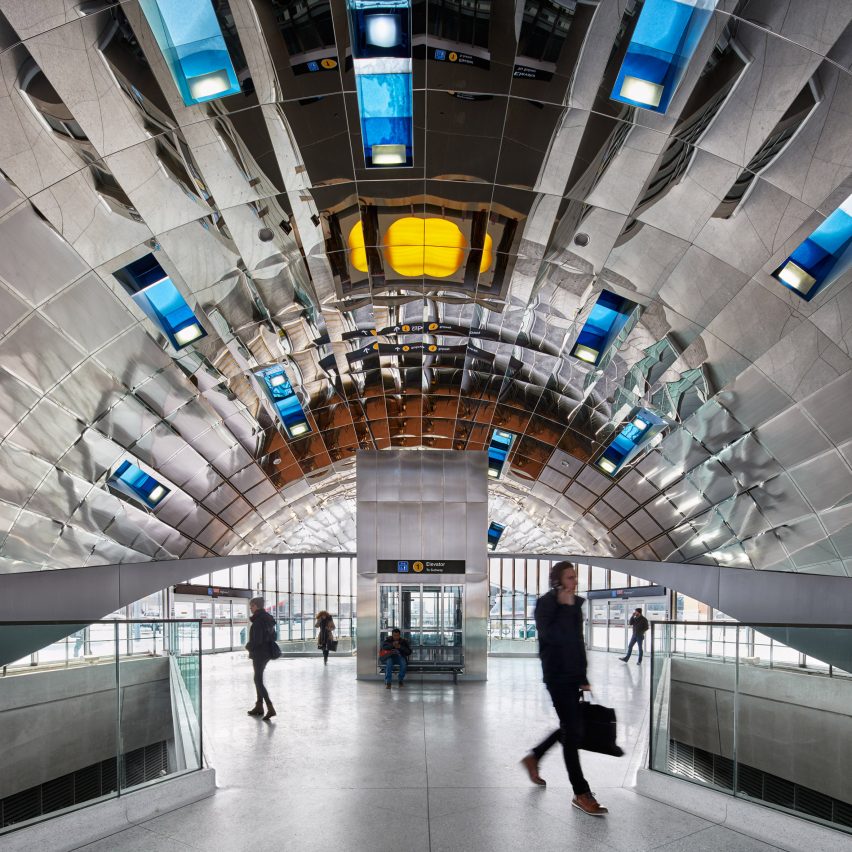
(420, 566)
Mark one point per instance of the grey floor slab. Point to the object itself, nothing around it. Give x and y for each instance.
(352, 766)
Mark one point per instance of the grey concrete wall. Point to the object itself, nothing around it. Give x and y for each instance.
(55, 722)
(423, 504)
(790, 724)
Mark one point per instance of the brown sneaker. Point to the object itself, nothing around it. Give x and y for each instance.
(587, 803)
(530, 763)
(387, 686)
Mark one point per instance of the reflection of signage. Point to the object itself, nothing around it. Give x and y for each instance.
(440, 54)
(421, 566)
(527, 72)
(328, 63)
(623, 594)
(212, 591)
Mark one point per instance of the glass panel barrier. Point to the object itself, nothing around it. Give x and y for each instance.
(742, 715)
(89, 711)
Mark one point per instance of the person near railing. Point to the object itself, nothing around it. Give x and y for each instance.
(325, 633)
(562, 649)
(395, 651)
(640, 627)
(259, 646)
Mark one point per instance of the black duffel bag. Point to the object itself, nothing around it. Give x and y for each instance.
(599, 730)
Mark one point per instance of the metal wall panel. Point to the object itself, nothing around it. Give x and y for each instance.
(431, 504)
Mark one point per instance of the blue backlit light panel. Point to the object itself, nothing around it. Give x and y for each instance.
(381, 57)
(665, 37)
(605, 321)
(138, 485)
(192, 44)
(629, 440)
(282, 396)
(498, 451)
(495, 530)
(822, 257)
(155, 293)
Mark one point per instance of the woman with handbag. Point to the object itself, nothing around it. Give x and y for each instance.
(325, 634)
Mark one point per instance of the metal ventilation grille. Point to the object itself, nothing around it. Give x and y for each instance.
(83, 785)
(705, 767)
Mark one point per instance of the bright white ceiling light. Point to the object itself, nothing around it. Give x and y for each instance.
(382, 31)
(606, 465)
(188, 334)
(277, 381)
(586, 353)
(156, 494)
(641, 91)
(298, 429)
(492, 472)
(389, 155)
(640, 424)
(794, 276)
(209, 85)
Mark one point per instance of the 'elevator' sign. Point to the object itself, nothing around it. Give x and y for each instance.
(420, 566)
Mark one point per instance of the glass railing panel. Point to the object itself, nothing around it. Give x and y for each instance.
(769, 721)
(794, 726)
(58, 724)
(88, 711)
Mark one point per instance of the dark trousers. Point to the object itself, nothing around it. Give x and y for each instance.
(262, 694)
(566, 701)
(325, 653)
(635, 640)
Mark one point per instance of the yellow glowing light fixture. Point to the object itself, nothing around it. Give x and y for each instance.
(416, 246)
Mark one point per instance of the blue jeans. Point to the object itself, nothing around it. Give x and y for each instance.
(635, 640)
(390, 661)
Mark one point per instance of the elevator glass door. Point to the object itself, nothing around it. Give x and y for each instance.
(430, 617)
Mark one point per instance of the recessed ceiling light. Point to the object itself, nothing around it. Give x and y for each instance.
(188, 334)
(794, 276)
(298, 429)
(606, 465)
(586, 353)
(277, 381)
(209, 85)
(640, 424)
(156, 494)
(383, 30)
(641, 91)
(581, 239)
(388, 155)
(265, 235)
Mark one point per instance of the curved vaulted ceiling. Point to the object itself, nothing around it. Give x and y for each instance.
(250, 203)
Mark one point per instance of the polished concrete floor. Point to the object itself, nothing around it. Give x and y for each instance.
(349, 766)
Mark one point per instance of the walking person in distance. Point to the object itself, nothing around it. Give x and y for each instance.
(640, 627)
(259, 645)
(562, 649)
(325, 633)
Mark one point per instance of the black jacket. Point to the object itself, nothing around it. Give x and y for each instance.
(404, 648)
(639, 624)
(261, 635)
(561, 646)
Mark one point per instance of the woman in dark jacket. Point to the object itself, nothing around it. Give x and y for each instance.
(325, 633)
(261, 637)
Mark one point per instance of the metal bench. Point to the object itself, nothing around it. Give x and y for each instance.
(436, 659)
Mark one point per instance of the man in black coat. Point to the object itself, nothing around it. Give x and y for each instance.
(395, 651)
(562, 649)
(640, 627)
(261, 637)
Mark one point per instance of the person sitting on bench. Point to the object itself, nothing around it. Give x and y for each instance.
(395, 651)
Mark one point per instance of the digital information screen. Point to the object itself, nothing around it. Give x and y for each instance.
(420, 566)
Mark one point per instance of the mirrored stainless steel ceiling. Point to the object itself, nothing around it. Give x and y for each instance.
(544, 191)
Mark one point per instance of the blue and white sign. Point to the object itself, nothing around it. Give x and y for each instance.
(402, 567)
